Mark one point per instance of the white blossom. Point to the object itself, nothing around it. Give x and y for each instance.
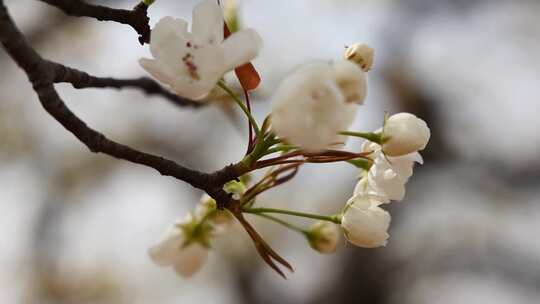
(317, 101)
(181, 248)
(404, 133)
(388, 175)
(361, 54)
(365, 223)
(191, 63)
(323, 236)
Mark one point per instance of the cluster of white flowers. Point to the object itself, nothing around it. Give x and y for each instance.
(312, 110)
(364, 222)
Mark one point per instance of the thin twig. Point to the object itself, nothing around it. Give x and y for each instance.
(137, 17)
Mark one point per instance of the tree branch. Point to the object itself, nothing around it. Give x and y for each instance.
(80, 80)
(137, 18)
(42, 74)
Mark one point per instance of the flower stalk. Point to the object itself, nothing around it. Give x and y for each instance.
(336, 218)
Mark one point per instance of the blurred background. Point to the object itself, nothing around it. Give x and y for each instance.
(76, 226)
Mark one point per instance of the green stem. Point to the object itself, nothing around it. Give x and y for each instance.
(239, 102)
(280, 148)
(329, 218)
(259, 151)
(148, 2)
(371, 136)
(282, 222)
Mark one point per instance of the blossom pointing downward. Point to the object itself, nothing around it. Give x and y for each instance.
(191, 63)
(364, 222)
(184, 246)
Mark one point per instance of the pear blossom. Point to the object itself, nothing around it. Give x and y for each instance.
(191, 63)
(365, 224)
(317, 101)
(404, 133)
(323, 237)
(360, 54)
(184, 246)
(388, 175)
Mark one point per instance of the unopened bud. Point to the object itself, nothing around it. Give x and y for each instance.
(360, 54)
(323, 237)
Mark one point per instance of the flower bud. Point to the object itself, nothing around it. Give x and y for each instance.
(323, 237)
(365, 224)
(360, 54)
(404, 133)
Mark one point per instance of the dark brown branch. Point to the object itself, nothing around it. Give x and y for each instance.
(42, 74)
(80, 80)
(137, 18)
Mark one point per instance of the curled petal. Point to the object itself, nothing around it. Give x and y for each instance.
(385, 180)
(403, 165)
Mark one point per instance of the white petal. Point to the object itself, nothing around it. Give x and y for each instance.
(365, 223)
(241, 47)
(403, 165)
(190, 259)
(363, 187)
(385, 180)
(352, 81)
(166, 250)
(208, 22)
(168, 36)
(199, 72)
(159, 71)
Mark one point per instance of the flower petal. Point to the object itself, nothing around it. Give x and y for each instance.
(158, 70)
(240, 48)
(166, 35)
(190, 259)
(352, 81)
(166, 250)
(385, 180)
(208, 22)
